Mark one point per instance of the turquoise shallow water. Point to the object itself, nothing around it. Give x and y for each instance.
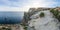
(11, 17)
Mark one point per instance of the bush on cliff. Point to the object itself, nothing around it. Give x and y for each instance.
(42, 14)
(56, 14)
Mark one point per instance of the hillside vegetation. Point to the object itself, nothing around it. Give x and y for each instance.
(56, 13)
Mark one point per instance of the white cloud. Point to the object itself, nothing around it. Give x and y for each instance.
(39, 3)
(25, 6)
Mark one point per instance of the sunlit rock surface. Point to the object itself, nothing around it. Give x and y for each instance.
(48, 22)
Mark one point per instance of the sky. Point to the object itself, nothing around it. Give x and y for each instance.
(24, 5)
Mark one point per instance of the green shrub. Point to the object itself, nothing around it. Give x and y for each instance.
(4, 28)
(42, 14)
(58, 17)
(52, 10)
(25, 28)
(56, 14)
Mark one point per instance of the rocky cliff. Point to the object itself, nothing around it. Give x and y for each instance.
(34, 21)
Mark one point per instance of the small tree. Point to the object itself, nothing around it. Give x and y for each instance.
(42, 14)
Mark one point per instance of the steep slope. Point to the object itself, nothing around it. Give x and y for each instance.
(48, 22)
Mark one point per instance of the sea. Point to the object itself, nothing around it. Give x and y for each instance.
(8, 17)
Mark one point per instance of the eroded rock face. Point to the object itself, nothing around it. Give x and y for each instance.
(45, 23)
(38, 23)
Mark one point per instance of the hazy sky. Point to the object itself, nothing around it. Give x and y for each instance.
(24, 5)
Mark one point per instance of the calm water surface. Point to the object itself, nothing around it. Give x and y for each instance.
(11, 17)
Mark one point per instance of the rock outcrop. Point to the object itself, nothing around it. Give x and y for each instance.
(34, 22)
